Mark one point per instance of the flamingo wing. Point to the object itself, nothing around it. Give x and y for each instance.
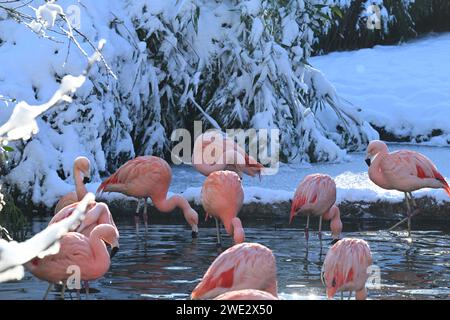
(405, 164)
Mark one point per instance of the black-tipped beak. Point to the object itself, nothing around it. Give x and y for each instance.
(194, 235)
(335, 241)
(113, 252)
(368, 162)
(86, 180)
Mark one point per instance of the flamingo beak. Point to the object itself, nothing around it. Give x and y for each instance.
(113, 252)
(334, 241)
(368, 162)
(86, 180)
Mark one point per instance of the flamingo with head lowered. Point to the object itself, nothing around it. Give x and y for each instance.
(345, 268)
(403, 170)
(222, 197)
(316, 196)
(149, 177)
(246, 270)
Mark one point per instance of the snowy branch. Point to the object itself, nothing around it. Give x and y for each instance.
(22, 123)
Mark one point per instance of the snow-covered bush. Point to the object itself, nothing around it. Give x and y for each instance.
(243, 63)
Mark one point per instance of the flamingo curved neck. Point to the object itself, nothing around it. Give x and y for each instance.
(98, 246)
(176, 201)
(80, 188)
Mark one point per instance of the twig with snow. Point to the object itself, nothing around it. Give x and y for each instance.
(22, 123)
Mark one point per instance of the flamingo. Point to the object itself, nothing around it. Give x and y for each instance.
(402, 170)
(222, 197)
(149, 177)
(316, 196)
(13, 254)
(89, 254)
(248, 294)
(345, 268)
(214, 152)
(81, 175)
(243, 266)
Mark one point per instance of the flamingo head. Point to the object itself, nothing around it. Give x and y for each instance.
(192, 220)
(375, 147)
(109, 235)
(84, 165)
(243, 266)
(238, 231)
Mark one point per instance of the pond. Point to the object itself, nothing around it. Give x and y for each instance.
(167, 264)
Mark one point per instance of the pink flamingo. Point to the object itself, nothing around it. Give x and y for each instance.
(243, 266)
(402, 170)
(149, 177)
(222, 198)
(345, 268)
(316, 196)
(214, 152)
(81, 175)
(97, 213)
(248, 294)
(89, 254)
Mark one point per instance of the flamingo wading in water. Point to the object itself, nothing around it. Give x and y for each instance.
(214, 152)
(222, 197)
(402, 170)
(316, 196)
(89, 254)
(149, 177)
(241, 267)
(345, 268)
(81, 175)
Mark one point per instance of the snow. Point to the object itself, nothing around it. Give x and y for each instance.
(405, 88)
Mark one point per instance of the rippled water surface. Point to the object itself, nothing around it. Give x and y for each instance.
(168, 263)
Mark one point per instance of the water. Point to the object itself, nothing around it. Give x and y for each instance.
(168, 264)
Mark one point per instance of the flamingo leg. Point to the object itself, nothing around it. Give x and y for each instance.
(136, 216)
(86, 289)
(307, 230)
(145, 215)
(219, 239)
(408, 206)
(50, 286)
(342, 295)
(320, 229)
(63, 291)
(350, 295)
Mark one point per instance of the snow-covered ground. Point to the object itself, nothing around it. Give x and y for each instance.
(351, 178)
(404, 88)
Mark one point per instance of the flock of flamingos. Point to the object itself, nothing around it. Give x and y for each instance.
(246, 270)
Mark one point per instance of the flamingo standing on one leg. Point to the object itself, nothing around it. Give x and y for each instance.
(89, 254)
(214, 152)
(149, 177)
(402, 170)
(316, 196)
(345, 267)
(81, 175)
(222, 197)
(241, 267)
